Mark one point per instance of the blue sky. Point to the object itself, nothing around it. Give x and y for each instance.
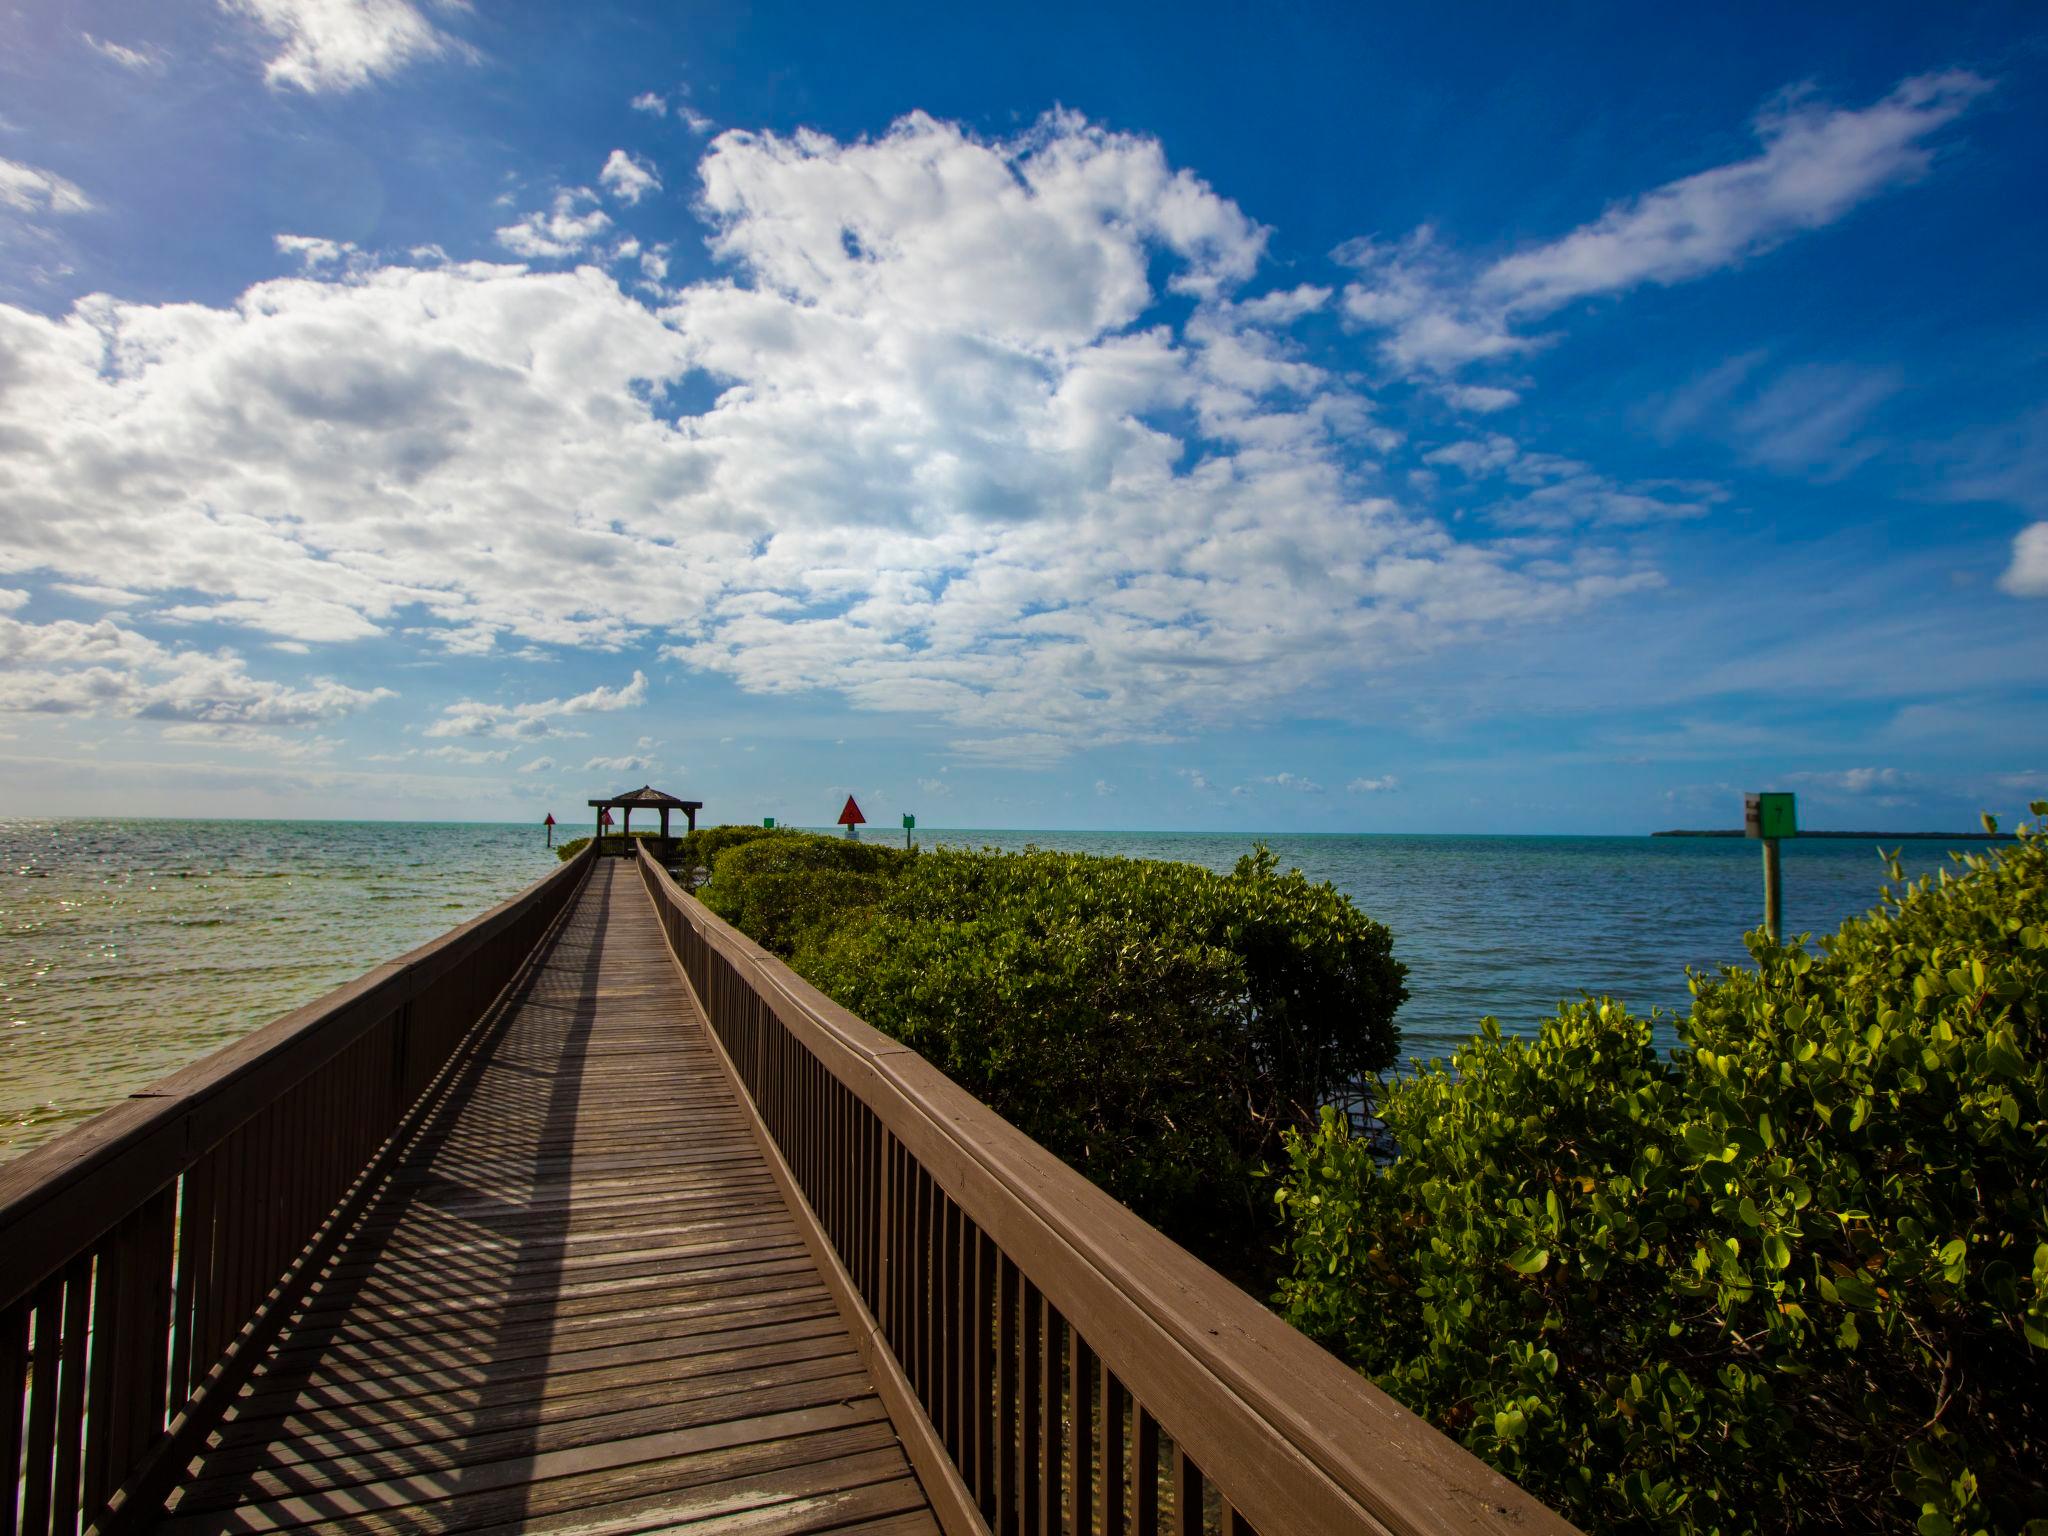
(1539, 419)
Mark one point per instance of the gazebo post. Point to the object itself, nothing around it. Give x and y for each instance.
(664, 823)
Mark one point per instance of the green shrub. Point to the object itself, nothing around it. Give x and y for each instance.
(1154, 1024)
(776, 887)
(1794, 1276)
(701, 849)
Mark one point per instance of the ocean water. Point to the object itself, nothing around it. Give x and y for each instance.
(130, 948)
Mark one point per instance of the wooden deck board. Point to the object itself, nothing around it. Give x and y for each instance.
(578, 1304)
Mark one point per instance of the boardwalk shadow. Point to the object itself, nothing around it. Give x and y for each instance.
(408, 1373)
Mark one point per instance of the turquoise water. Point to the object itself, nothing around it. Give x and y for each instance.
(129, 948)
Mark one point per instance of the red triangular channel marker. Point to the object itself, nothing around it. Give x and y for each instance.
(851, 816)
(550, 821)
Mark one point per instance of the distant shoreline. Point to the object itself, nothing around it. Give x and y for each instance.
(1877, 837)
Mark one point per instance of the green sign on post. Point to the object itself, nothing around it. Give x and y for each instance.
(1770, 816)
(768, 822)
(909, 821)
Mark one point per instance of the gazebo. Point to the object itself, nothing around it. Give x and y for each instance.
(645, 798)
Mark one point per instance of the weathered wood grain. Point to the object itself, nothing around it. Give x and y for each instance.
(578, 1302)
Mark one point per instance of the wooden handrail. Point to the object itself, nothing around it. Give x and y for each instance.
(1058, 1346)
(139, 1253)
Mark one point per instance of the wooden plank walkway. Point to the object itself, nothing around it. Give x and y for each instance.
(578, 1304)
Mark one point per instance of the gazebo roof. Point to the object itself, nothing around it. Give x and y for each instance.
(646, 794)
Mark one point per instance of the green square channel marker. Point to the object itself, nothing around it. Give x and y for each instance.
(1769, 815)
(768, 822)
(909, 821)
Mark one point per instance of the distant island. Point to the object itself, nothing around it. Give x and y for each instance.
(1979, 836)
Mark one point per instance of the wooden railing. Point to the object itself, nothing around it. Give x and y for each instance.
(139, 1253)
(1053, 1363)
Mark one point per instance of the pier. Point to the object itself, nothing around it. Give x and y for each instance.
(593, 1216)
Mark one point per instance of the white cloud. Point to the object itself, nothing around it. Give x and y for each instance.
(1104, 788)
(1197, 780)
(30, 189)
(694, 120)
(628, 179)
(102, 669)
(1856, 781)
(1385, 784)
(572, 222)
(959, 460)
(1816, 165)
(141, 60)
(1550, 492)
(1481, 399)
(2027, 576)
(628, 764)
(650, 101)
(477, 717)
(471, 756)
(935, 787)
(312, 251)
(1293, 781)
(12, 598)
(342, 45)
(538, 765)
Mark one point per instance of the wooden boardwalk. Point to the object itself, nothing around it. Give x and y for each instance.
(578, 1304)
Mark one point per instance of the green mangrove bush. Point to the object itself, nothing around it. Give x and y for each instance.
(1792, 1276)
(1154, 1024)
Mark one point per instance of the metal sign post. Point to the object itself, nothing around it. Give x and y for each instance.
(1771, 815)
(909, 825)
(550, 824)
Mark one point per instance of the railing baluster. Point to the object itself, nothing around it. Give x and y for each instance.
(71, 1397)
(1144, 1471)
(1080, 1431)
(1007, 1441)
(985, 1261)
(1031, 1411)
(1187, 1495)
(13, 1405)
(42, 1407)
(1114, 1402)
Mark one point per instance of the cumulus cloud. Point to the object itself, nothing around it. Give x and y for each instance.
(538, 765)
(960, 459)
(628, 179)
(313, 252)
(30, 189)
(1385, 784)
(1440, 312)
(650, 101)
(104, 669)
(471, 756)
(479, 717)
(342, 45)
(627, 764)
(2027, 576)
(568, 226)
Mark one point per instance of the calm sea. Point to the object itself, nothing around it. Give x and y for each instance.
(129, 948)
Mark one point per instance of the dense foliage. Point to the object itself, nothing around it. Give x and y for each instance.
(1155, 1024)
(1793, 1276)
